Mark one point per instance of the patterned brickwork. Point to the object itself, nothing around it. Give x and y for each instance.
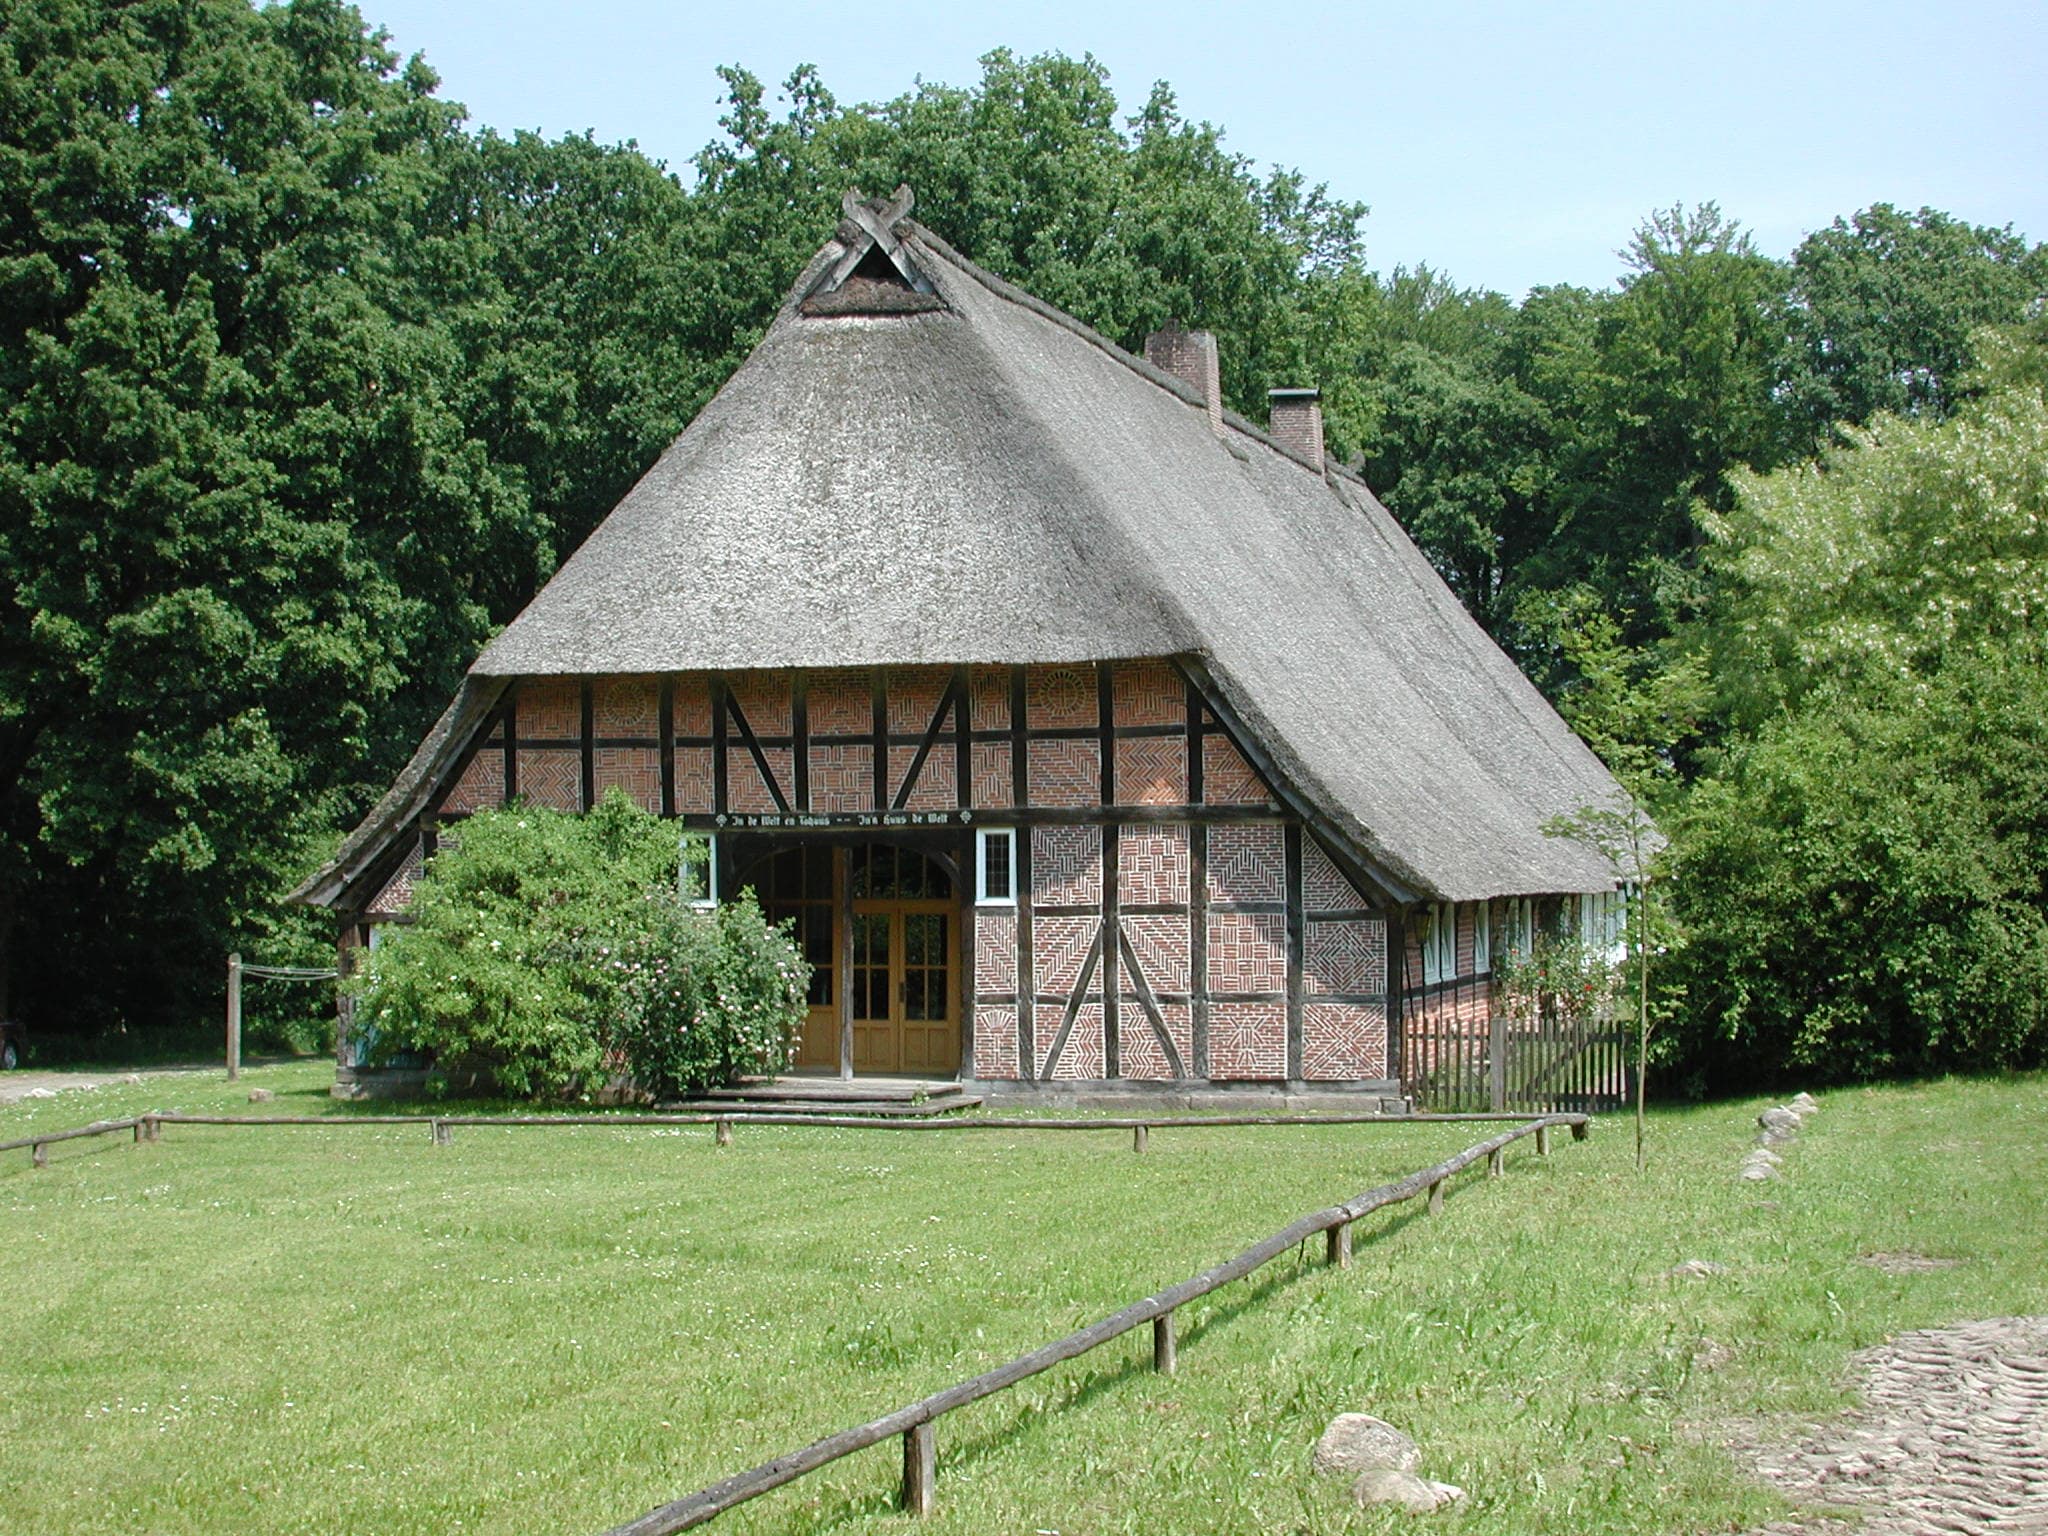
(1059, 951)
(1345, 957)
(1247, 1040)
(992, 786)
(988, 698)
(1163, 949)
(995, 1043)
(935, 789)
(914, 692)
(1138, 1042)
(626, 706)
(764, 698)
(550, 710)
(1247, 952)
(840, 703)
(1341, 1041)
(1148, 693)
(693, 781)
(1227, 779)
(995, 952)
(745, 792)
(1152, 770)
(1065, 773)
(1152, 864)
(551, 778)
(691, 702)
(842, 778)
(1082, 1057)
(636, 770)
(482, 784)
(397, 893)
(1323, 886)
(1060, 697)
(1066, 866)
(1247, 863)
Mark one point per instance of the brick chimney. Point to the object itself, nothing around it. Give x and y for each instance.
(1189, 356)
(1296, 423)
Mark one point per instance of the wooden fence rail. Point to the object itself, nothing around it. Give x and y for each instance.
(144, 1127)
(914, 1421)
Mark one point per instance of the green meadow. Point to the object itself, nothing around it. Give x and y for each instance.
(348, 1328)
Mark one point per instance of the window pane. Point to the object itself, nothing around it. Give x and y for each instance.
(818, 873)
(995, 866)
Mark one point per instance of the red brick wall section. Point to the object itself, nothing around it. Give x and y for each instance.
(636, 770)
(1247, 952)
(1153, 864)
(842, 777)
(1247, 862)
(988, 698)
(551, 776)
(1165, 954)
(764, 698)
(995, 952)
(1323, 886)
(693, 781)
(1340, 1041)
(626, 707)
(914, 694)
(1344, 956)
(397, 893)
(936, 788)
(995, 1042)
(482, 784)
(1152, 770)
(1227, 779)
(839, 704)
(550, 709)
(1066, 866)
(1061, 697)
(1065, 773)
(1082, 1058)
(1148, 693)
(1247, 1041)
(992, 784)
(1059, 952)
(692, 704)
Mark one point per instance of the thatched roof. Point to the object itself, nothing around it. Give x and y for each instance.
(991, 481)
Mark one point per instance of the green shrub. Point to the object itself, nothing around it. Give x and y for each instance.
(707, 997)
(544, 945)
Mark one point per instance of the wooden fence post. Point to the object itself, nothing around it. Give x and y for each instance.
(1496, 1162)
(1579, 1131)
(234, 1016)
(919, 1463)
(1165, 1351)
(444, 1133)
(1543, 1141)
(1497, 1061)
(1137, 1138)
(39, 1156)
(1338, 1246)
(152, 1128)
(721, 1134)
(1436, 1198)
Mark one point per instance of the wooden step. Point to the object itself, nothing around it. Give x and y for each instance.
(945, 1104)
(836, 1090)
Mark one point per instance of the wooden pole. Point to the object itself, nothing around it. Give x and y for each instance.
(920, 1457)
(721, 1134)
(1543, 1141)
(1338, 1246)
(1436, 1198)
(1496, 1162)
(1165, 1351)
(234, 1017)
(1137, 1138)
(39, 1155)
(444, 1135)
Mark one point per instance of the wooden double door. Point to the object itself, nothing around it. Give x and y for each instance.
(880, 926)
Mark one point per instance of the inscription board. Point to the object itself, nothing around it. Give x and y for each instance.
(798, 820)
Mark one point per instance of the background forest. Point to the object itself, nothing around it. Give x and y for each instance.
(305, 387)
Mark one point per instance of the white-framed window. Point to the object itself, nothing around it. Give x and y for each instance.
(1482, 938)
(1518, 927)
(1440, 944)
(697, 868)
(1603, 923)
(995, 866)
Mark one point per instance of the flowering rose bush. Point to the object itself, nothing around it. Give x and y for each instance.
(541, 944)
(707, 997)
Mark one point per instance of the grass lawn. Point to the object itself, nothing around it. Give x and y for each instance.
(352, 1329)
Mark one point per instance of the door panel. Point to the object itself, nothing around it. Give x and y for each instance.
(874, 992)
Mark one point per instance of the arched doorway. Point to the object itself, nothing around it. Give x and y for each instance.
(880, 926)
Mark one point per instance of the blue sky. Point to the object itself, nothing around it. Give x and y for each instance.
(1507, 145)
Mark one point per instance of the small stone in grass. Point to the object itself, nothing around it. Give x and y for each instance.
(1804, 1102)
(1756, 1173)
(1785, 1121)
(1765, 1155)
(1358, 1442)
(261, 1095)
(1693, 1269)
(1390, 1485)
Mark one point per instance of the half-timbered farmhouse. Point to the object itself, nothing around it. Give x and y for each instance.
(1092, 736)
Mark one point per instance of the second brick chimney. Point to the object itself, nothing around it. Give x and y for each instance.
(1296, 423)
(1189, 356)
